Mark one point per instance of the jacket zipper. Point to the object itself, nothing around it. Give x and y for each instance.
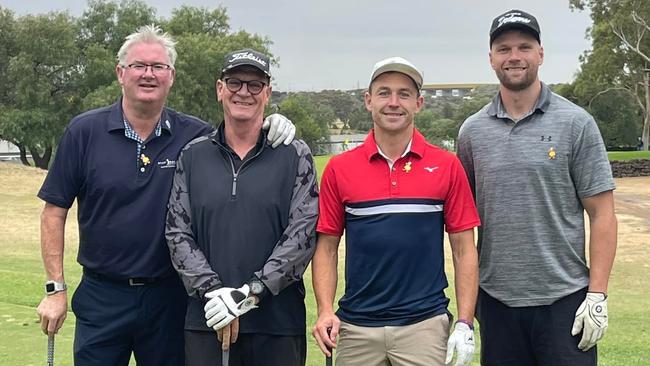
(235, 174)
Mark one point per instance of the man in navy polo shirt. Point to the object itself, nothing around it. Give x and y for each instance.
(118, 162)
(394, 196)
(537, 162)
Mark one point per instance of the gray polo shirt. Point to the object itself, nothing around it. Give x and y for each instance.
(528, 178)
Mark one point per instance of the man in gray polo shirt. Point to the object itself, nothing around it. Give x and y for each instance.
(536, 162)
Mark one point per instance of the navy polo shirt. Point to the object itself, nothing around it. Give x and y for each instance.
(122, 202)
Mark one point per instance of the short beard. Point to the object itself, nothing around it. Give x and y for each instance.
(518, 86)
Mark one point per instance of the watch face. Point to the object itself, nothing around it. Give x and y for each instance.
(49, 287)
(257, 287)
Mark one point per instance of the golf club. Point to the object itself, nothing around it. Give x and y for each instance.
(225, 357)
(328, 359)
(50, 350)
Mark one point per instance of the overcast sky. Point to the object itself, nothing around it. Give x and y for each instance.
(332, 44)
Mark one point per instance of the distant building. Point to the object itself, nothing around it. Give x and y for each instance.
(449, 90)
(8, 151)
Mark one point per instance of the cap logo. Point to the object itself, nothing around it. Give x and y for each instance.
(512, 18)
(247, 55)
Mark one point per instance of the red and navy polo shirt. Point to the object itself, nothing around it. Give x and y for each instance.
(394, 220)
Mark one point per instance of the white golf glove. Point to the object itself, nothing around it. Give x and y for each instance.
(280, 129)
(591, 319)
(461, 340)
(226, 304)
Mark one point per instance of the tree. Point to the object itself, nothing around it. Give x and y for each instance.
(360, 119)
(620, 58)
(40, 76)
(311, 121)
(619, 117)
(54, 66)
(190, 20)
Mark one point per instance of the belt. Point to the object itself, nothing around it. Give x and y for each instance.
(135, 281)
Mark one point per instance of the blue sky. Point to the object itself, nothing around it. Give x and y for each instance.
(333, 44)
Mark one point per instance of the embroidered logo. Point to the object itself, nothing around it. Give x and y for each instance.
(430, 169)
(247, 55)
(512, 18)
(166, 164)
(407, 167)
(551, 153)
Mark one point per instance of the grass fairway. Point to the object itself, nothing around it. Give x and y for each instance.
(628, 155)
(22, 343)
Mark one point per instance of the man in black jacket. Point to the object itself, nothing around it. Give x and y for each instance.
(241, 229)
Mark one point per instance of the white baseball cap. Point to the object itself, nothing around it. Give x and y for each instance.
(397, 64)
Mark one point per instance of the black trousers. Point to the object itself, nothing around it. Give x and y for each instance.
(532, 335)
(115, 319)
(204, 349)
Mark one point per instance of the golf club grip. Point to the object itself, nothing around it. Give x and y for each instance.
(50, 350)
(328, 359)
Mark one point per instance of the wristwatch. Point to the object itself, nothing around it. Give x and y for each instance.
(52, 287)
(257, 287)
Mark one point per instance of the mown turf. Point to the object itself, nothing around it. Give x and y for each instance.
(628, 155)
(627, 341)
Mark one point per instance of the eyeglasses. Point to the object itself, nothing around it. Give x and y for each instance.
(156, 69)
(254, 86)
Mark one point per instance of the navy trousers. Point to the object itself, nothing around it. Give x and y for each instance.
(115, 319)
(204, 349)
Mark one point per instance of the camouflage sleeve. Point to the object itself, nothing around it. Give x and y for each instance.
(296, 246)
(187, 258)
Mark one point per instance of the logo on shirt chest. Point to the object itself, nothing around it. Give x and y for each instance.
(552, 153)
(167, 164)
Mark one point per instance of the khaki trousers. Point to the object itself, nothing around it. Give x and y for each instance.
(419, 344)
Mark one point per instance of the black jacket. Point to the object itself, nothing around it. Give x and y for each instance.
(228, 222)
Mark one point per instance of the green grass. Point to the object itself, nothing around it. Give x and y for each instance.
(628, 155)
(22, 342)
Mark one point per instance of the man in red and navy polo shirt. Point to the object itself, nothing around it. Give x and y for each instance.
(394, 196)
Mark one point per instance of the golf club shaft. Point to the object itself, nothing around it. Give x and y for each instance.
(50, 350)
(225, 357)
(328, 359)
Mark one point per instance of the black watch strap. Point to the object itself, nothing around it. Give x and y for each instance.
(257, 288)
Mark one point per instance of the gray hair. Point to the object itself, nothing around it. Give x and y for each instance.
(148, 34)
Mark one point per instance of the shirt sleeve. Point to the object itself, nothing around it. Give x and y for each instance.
(590, 168)
(297, 245)
(65, 176)
(460, 209)
(188, 259)
(331, 219)
(465, 156)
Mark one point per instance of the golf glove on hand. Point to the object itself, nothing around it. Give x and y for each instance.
(591, 319)
(461, 340)
(226, 304)
(280, 129)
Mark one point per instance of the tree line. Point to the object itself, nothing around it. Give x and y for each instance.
(54, 66)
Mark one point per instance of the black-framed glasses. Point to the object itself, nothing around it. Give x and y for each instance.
(254, 86)
(156, 68)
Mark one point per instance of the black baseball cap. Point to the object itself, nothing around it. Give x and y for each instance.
(247, 57)
(514, 19)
